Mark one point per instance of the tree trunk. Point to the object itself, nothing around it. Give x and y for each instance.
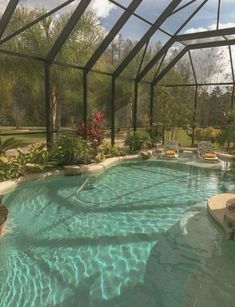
(55, 109)
(163, 134)
(172, 133)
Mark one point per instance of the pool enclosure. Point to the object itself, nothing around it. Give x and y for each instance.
(64, 60)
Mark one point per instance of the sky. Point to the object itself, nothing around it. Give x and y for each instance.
(134, 29)
(150, 9)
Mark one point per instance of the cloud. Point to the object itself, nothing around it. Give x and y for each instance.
(3, 5)
(39, 4)
(102, 7)
(211, 27)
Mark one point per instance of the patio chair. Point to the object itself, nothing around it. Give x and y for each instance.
(206, 153)
(170, 149)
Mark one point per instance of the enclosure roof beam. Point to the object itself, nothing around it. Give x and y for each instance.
(111, 35)
(192, 47)
(231, 62)
(205, 34)
(159, 67)
(171, 64)
(147, 21)
(218, 14)
(74, 66)
(192, 66)
(197, 84)
(22, 55)
(211, 44)
(146, 37)
(134, 14)
(142, 58)
(156, 58)
(6, 17)
(30, 24)
(168, 44)
(182, 7)
(64, 35)
(41, 59)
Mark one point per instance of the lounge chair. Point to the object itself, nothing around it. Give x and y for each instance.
(170, 150)
(206, 153)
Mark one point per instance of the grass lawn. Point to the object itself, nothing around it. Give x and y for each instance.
(24, 139)
(181, 136)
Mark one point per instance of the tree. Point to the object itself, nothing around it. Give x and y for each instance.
(26, 78)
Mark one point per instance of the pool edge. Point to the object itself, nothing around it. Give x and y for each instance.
(9, 185)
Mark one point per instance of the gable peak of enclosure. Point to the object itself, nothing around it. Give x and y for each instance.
(113, 42)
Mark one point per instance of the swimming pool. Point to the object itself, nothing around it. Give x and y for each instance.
(136, 235)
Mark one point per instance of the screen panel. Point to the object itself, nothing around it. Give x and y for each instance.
(22, 100)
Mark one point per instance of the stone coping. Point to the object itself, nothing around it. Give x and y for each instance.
(216, 206)
(106, 164)
(225, 157)
(9, 185)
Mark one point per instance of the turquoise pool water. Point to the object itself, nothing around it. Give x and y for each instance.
(137, 235)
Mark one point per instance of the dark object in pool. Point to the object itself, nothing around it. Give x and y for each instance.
(90, 186)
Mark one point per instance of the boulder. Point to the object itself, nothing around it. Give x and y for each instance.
(72, 170)
(146, 155)
(3, 214)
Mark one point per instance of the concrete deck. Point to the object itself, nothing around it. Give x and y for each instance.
(216, 206)
(225, 157)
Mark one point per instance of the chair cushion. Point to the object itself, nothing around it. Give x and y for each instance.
(169, 152)
(209, 154)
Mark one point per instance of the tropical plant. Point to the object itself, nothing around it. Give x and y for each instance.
(10, 168)
(139, 140)
(35, 154)
(34, 158)
(93, 131)
(69, 150)
(7, 144)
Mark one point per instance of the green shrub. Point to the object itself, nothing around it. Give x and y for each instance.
(138, 140)
(69, 150)
(108, 150)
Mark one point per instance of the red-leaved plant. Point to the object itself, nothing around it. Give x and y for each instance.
(93, 131)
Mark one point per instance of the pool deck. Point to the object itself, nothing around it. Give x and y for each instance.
(217, 208)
